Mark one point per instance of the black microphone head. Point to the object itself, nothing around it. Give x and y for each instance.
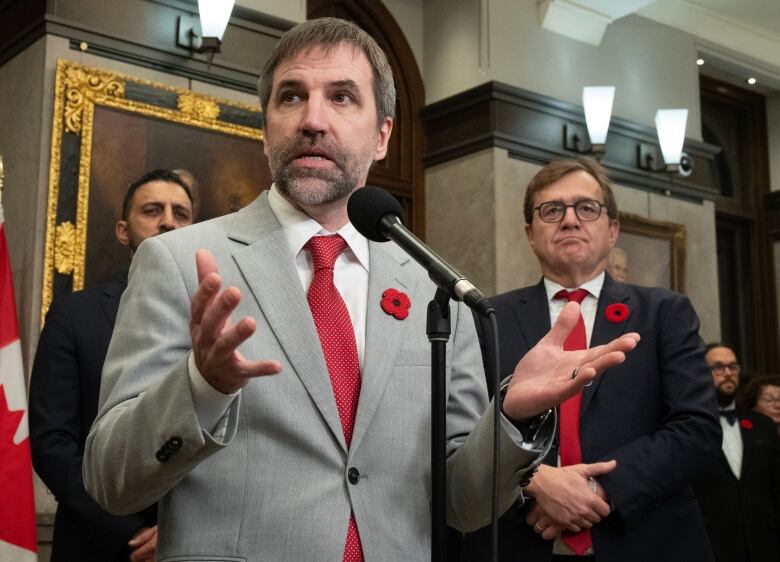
(367, 206)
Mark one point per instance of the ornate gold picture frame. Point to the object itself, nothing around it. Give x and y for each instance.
(650, 253)
(108, 130)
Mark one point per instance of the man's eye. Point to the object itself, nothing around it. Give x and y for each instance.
(289, 97)
(343, 98)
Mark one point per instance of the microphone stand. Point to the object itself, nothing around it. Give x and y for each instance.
(438, 328)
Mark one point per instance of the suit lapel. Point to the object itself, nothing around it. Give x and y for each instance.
(268, 269)
(112, 294)
(532, 314)
(748, 442)
(384, 332)
(604, 330)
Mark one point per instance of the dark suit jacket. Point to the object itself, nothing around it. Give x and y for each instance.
(64, 391)
(742, 515)
(655, 414)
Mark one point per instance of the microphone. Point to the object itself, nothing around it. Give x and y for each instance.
(377, 215)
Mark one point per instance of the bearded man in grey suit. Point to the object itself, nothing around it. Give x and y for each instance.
(242, 430)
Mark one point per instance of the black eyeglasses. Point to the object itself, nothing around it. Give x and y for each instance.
(721, 368)
(587, 210)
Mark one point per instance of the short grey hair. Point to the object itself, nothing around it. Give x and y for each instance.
(329, 33)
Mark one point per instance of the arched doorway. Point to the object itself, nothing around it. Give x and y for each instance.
(402, 172)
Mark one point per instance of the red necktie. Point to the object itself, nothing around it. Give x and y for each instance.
(570, 450)
(337, 338)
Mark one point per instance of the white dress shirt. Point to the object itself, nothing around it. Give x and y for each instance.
(587, 307)
(350, 275)
(732, 443)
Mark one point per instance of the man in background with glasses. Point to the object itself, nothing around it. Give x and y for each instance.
(616, 484)
(739, 494)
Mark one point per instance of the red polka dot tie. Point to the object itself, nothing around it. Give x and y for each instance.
(337, 337)
(570, 450)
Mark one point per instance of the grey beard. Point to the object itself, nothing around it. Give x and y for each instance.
(289, 186)
(339, 183)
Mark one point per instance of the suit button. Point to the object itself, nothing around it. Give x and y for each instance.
(162, 456)
(354, 475)
(175, 443)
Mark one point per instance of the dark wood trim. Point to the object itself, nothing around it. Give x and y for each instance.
(772, 202)
(747, 197)
(531, 127)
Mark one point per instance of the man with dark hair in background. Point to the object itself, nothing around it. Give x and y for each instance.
(65, 385)
(616, 485)
(300, 429)
(739, 494)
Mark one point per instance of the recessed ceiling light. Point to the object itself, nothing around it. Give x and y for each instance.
(700, 61)
(751, 80)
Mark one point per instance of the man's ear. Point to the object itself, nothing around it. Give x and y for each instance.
(121, 233)
(614, 231)
(384, 137)
(529, 233)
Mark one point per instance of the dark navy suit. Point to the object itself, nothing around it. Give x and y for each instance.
(743, 515)
(64, 391)
(655, 414)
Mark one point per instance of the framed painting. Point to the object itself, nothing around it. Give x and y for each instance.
(110, 129)
(649, 252)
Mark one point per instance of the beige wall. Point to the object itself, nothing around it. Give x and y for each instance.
(483, 232)
(291, 10)
(469, 42)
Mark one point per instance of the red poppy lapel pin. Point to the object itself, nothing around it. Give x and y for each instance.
(617, 312)
(745, 424)
(396, 303)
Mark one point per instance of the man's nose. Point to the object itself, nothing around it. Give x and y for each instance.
(167, 223)
(314, 118)
(570, 218)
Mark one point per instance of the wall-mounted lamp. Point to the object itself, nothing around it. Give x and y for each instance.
(597, 103)
(205, 35)
(670, 125)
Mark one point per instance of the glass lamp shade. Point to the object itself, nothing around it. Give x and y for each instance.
(670, 124)
(597, 101)
(214, 17)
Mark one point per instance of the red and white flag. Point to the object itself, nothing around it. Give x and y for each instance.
(17, 502)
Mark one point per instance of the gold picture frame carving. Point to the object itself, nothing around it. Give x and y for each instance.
(78, 91)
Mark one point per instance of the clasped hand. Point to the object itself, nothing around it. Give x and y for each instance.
(565, 499)
(215, 339)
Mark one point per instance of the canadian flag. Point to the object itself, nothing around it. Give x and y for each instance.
(17, 503)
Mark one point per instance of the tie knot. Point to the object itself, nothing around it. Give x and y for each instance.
(577, 295)
(324, 250)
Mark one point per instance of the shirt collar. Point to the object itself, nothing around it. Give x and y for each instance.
(593, 287)
(298, 228)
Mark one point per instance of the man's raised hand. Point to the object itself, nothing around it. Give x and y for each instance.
(547, 375)
(215, 339)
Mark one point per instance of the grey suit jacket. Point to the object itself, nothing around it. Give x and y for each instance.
(276, 487)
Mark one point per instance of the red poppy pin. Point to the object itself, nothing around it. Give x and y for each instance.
(746, 424)
(396, 303)
(617, 312)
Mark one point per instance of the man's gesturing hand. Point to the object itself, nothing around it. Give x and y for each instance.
(215, 339)
(543, 377)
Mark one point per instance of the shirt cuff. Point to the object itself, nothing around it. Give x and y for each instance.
(211, 405)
